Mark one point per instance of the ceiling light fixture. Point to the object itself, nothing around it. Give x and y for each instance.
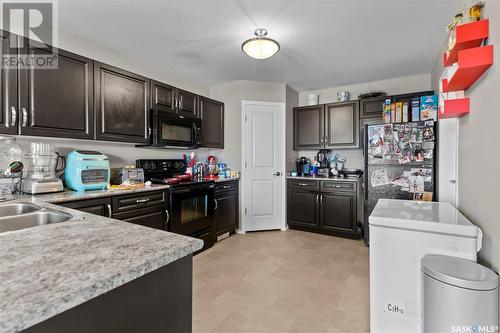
(260, 47)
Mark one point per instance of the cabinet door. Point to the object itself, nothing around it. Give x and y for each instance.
(342, 125)
(226, 213)
(302, 209)
(211, 113)
(101, 207)
(372, 107)
(188, 102)
(9, 114)
(122, 105)
(58, 102)
(163, 95)
(308, 127)
(338, 212)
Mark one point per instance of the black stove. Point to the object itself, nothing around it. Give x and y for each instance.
(158, 170)
(191, 203)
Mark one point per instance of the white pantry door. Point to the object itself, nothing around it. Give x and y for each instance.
(448, 160)
(263, 163)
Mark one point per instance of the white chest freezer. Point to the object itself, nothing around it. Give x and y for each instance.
(401, 233)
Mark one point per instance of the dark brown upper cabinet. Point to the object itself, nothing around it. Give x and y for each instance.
(342, 125)
(57, 102)
(187, 101)
(332, 126)
(308, 127)
(211, 113)
(372, 107)
(121, 104)
(170, 97)
(9, 115)
(163, 95)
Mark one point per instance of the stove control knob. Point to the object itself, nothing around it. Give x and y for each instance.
(152, 166)
(145, 165)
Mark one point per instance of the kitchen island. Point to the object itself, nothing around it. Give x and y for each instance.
(94, 274)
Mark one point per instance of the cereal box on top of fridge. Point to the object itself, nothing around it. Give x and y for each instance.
(428, 107)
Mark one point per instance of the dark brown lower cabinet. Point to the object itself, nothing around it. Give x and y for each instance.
(338, 212)
(302, 209)
(227, 207)
(160, 301)
(153, 217)
(148, 209)
(101, 207)
(328, 207)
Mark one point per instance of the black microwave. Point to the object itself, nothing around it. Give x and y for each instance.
(174, 130)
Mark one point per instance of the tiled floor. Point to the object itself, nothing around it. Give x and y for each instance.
(276, 281)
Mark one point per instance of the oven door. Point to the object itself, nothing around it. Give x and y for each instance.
(191, 208)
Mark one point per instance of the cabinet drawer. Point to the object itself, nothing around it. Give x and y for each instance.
(153, 217)
(133, 201)
(303, 184)
(338, 186)
(225, 187)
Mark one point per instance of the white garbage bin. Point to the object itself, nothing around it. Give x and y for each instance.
(458, 295)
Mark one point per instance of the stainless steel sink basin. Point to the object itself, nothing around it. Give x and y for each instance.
(28, 220)
(18, 208)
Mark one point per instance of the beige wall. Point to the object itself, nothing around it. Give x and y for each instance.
(292, 100)
(394, 86)
(479, 147)
(232, 94)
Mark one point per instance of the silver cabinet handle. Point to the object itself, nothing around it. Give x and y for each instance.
(142, 200)
(216, 204)
(149, 131)
(25, 117)
(181, 102)
(317, 199)
(13, 113)
(303, 184)
(110, 213)
(176, 103)
(321, 199)
(168, 216)
(32, 115)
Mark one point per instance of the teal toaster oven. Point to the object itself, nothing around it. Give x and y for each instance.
(86, 170)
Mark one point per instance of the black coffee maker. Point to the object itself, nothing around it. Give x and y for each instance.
(322, 158)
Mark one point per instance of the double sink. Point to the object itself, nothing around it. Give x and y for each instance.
(22, 215)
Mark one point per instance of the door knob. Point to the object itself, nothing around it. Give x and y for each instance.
(277, 174)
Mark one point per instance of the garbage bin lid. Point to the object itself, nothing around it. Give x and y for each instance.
(459, 272)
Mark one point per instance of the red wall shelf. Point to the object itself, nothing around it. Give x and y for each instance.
(468, 35)
(472, 63)
(455, 108)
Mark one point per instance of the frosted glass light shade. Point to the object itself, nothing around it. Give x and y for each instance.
(260, 47)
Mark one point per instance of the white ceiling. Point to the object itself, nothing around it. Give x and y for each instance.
(323, 43)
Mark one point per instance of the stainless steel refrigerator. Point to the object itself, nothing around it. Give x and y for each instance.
(399, 164)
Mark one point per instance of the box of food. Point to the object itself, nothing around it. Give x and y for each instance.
(387, 111)
(415, 109)
(393, 112)
(399, 112)
(428, 107)
(405, 112)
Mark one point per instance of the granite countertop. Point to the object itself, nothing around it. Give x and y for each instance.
(48, 269)
(69, 195)
(344, 179)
